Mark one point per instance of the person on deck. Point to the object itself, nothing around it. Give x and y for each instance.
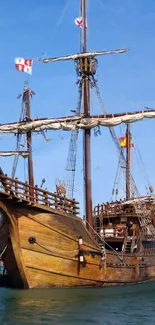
(129, 227)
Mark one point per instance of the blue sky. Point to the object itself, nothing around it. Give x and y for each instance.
(127, 82)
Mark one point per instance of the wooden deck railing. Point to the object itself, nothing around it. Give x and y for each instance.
(118, 208)
(20, 190)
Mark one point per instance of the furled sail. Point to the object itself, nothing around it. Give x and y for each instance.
(24, 154)
(82, 55)
(75, 122)
(144, 199)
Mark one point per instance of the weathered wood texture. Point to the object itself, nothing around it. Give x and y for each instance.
(52, 259)
(16, 190)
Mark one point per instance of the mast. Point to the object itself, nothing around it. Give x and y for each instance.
(29, 141)
(87, 132)
(128, 160)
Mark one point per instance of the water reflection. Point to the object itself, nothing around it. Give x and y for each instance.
(122, 305)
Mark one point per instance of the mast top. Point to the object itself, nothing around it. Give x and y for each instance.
(83, 12)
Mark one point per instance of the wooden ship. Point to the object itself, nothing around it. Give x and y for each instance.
(43, 241)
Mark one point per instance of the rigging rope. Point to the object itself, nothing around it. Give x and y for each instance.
(121, 259)
(3, 251)
(143, 167)
(117, 177)
(53, 34)
(145, 219)
(71, 159)
(106, 12)
(63, 14)
(115, 139)
(19, 136)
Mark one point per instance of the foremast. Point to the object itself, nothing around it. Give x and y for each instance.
(26, 100)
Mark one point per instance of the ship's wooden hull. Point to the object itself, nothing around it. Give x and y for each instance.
(42, 251)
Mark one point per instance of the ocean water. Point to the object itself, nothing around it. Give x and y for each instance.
(107, 306)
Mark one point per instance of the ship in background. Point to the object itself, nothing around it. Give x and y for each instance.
(43, 241)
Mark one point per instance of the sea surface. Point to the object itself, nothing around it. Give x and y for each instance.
(107, 306)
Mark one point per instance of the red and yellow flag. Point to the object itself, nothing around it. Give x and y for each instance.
(24, 65)
(123, 142)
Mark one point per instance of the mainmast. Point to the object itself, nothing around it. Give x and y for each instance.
(26, 99)
(87, 132)
(128, 160)
(86, 68)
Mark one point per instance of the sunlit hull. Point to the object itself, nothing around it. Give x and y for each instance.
(42, 251)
